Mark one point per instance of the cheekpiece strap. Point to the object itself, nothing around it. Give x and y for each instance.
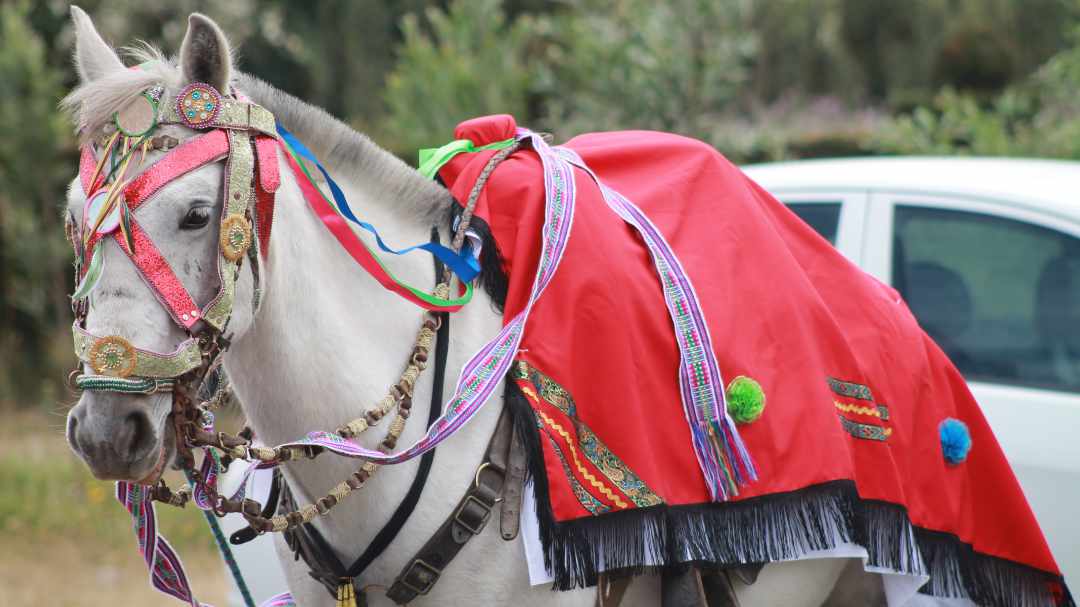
(114, 356)
(269, 181)
(236, 230)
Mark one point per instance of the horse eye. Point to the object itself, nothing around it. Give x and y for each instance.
(196, 218)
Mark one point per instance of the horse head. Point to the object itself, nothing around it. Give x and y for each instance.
(145, 217)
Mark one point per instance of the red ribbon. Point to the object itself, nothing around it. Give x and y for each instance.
(350, 242)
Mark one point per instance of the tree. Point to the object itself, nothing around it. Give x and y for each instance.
(36, 156)
(467, 61)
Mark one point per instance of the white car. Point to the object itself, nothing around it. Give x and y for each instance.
(987, 254)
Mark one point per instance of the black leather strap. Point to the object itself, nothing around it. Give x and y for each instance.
(308, 543)
(468, 519)
(397, 521)
(247, 534)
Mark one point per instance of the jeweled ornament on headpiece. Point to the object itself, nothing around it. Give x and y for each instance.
(140, 115)
(198, 105)
(113, 356)
(235, 237)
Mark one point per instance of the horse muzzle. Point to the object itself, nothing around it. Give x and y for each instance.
(121, 436)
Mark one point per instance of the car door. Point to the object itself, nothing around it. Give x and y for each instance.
(837, 216)
(997, 285)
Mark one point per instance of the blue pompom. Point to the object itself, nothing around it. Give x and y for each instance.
(955, 440)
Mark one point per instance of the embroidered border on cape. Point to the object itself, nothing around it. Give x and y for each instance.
(539, 388)
(587, 501)
(850, 389)
(865, 431)
(860, 392)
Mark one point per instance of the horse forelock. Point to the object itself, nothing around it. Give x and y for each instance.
(93, 104)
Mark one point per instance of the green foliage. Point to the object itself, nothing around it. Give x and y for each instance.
(1037, 117)
(638, 64)
(35, 160)
(956, 123)
(464, 62)
(759, 80)
(50, 493)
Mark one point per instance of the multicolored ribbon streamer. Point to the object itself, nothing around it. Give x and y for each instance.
(463, 264)
(166, 571)
(340, 230)
(721, 454)
(485, 370)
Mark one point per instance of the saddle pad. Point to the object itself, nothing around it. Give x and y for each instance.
(848, 448)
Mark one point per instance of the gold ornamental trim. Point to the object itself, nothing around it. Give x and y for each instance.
(113, 356)
(235, 237)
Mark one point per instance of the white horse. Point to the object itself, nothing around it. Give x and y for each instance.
(326, 342)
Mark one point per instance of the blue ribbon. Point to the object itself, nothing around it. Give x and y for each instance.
(464, 264)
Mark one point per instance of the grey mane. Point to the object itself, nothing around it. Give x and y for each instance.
(347, 154)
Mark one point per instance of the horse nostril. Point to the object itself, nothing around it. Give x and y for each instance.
(72, 432)
(139, 435)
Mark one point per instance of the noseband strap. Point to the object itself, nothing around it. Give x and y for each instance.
(109, 357)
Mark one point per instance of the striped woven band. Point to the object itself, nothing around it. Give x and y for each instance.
(124, 385)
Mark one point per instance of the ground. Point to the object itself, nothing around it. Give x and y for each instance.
(64, 540)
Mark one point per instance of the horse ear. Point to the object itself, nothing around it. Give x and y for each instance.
(93, 56)
(205, 55)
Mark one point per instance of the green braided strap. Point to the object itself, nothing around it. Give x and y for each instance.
(124, 385)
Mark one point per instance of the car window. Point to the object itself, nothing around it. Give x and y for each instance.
(1001, 297)
(824, 217)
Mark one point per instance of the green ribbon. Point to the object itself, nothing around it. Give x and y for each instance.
(93, 274)
(465, 298)
(433, 159)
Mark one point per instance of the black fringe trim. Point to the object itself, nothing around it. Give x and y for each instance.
(770, 528)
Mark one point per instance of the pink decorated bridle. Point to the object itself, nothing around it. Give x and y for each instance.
(242, 134)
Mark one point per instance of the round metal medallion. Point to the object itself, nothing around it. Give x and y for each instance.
(92, 212)
(138, 117)
(235, 237)
(113, 356)
(198, 105)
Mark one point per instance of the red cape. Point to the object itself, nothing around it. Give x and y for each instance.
(783, 307)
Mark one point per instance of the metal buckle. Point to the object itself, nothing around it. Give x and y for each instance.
(435, 573)
(485, 466)
(483, 521)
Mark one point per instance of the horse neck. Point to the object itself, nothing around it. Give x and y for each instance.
(327, 344)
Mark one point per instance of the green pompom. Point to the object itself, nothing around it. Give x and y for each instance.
(745, 399)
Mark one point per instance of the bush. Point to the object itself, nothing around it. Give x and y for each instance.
(473, 62)
(36, 156)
